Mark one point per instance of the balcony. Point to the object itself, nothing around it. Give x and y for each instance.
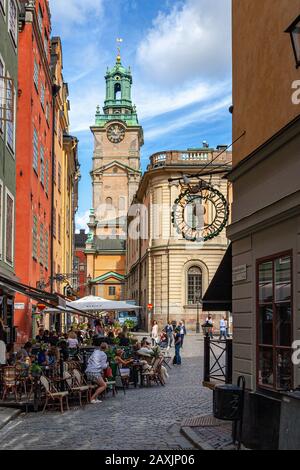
(188, 158)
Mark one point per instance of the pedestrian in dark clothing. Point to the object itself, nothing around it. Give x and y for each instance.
(177, 358)
(182, 332)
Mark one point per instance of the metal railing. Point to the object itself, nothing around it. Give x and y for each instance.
(217, 361)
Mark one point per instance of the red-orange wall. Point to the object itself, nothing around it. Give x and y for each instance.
(31, 196)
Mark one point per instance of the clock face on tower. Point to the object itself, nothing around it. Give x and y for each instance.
(115, 133)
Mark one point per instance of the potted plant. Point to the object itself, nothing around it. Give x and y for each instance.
(35, 370)
(156, 351)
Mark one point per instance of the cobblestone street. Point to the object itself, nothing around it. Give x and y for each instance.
(144, 419)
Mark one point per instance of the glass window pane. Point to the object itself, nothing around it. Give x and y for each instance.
(266, 325)
(283, 279)
(266, 367)
(266, 282)
(284, 370)
(284, 325)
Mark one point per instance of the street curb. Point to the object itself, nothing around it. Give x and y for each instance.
(10, 416)
(194, 439)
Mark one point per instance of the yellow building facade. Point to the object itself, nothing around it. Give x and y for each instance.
(66, 176)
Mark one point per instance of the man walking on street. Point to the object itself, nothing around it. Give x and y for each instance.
(223, 329)
(169, 331)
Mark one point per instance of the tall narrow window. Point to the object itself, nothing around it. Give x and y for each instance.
(46, 44)
(36, 71)
(35, 150)
(46, 262)
(42, 165)
(2, 95)
(54, 223)
(40, 20)
(9, 232)
(54, 169)
(47, 177)
(59, 229)
(43, 95)
(194, 285)
(11, 115)
(275, 332)
(59, 177)
(35, 238)
(42, 244)
(13, 21)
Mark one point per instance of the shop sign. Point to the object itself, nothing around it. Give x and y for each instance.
(239, 273)
(19, 306)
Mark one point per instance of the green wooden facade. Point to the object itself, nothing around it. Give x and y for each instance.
(9, 68)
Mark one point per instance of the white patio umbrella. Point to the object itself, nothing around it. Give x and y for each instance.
(92, 303)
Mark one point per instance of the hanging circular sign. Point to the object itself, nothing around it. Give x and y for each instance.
(200, 213)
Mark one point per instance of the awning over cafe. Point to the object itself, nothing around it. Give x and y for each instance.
(218, 296)
(54, 302)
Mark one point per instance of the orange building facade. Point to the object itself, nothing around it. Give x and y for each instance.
(34, 159)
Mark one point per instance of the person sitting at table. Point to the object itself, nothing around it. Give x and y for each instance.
(39, 337)
(53, 338)
(42, 357)
(72, 340)
(123, 364)
(99, 329)
(96, 364)
(46, 337)
(163, 340)
(123, 340)
(145, 349)
(53, 356)
(26, 352)
(64, 350)
(10, 355)
(79, 337)
(110, 340)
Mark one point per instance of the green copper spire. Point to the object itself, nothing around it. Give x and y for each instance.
(118, 104)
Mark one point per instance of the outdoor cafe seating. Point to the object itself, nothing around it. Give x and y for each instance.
(63, 384)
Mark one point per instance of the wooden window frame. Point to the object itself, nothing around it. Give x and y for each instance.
(272, 258)
(9, 262)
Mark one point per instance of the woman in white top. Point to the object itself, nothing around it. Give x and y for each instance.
(72, 340)
(96, 364)
(154, 334)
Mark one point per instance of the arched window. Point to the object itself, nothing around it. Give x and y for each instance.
(108, 201)
(118, 91)
(194, 285)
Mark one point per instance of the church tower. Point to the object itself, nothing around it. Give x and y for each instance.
(116, 164)
(116, 174)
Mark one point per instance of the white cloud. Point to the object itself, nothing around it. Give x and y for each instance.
(158, 101)
(82, 220)
(203, 114)
(66, 13)
(192, 40)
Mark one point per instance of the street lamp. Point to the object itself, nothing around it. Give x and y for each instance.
(198, 297)
(294, 32)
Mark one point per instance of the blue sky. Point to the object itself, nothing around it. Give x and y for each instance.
(180, 55)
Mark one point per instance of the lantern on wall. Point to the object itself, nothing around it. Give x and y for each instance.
(294, 32)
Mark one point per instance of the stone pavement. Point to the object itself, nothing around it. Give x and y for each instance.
(208, 433)
(7, 415)
(143, 419)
